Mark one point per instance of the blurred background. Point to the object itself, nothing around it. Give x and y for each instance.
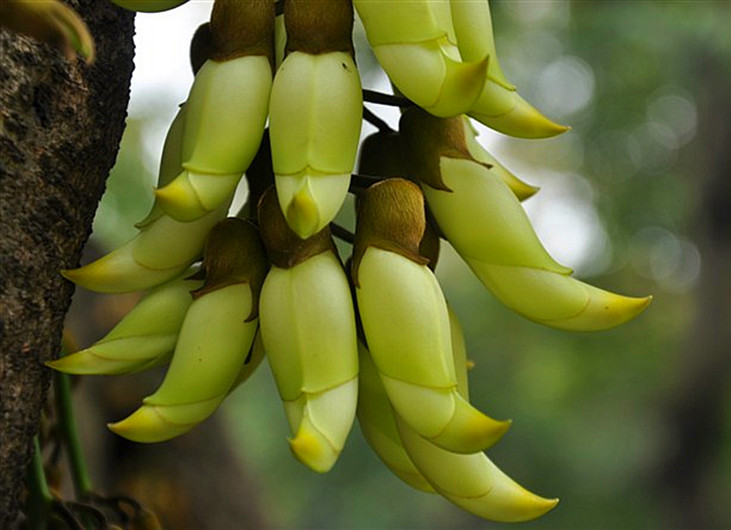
(631, 427)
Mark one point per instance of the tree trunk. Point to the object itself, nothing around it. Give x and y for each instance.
(698, 408)
(60, 126)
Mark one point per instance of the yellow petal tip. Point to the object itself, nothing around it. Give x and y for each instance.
(302, 214)
(71, 274)
(469, 430)
(76, 363)
(313, 451)
(179, 200)
(522, 121)
(145, 425)
(524, 190)
(95, 276)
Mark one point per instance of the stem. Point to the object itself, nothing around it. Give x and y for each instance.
(372, 96)
(342, 233)
(61, 511)
(371, 118)
(39, 496)
(70, 435)
(363, 181)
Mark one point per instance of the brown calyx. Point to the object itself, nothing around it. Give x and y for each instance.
(234, 254)
(390, 217)
(242, 27)
(426, 139)
(285, 248)
(319, 26)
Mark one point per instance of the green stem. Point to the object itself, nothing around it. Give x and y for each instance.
(39, 496)
(67, 424)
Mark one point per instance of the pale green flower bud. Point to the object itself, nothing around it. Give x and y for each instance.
(509, 235)
(171, 161)
(376, 417)
(475, 39)
(315, 114)
(308, 331)
(485, 223)
(414, 43)
(499, 106)
(406, 323)
(431, 76)
(215, 338)
(379, 426)
(315, 120)
(225, 117)
(161, 251)
(226, 110)
(507, 112)
(472, 481)
(143, 338)
(170, 164)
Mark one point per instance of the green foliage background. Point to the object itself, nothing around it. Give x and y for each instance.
(591, 411)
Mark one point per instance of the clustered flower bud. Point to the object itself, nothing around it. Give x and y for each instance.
(375, 338)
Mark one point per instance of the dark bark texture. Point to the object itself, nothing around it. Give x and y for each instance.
(60, 127)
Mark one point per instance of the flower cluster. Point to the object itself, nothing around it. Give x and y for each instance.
(374, 338)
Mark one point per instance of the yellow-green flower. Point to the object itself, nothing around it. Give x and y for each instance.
(378, 340)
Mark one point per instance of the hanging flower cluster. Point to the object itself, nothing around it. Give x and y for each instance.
(374, 338)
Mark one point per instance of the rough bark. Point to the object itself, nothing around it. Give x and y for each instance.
(60, 126)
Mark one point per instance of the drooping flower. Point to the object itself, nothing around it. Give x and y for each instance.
(318, 325)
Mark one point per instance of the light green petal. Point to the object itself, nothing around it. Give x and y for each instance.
(405, 320)
(429, 74)
(167, 242)
(484, 220)
(388, 22)
(556, 300)
(315, 114)
(507, 112)
(310, 200)
(312, 302)
(225, 115)
(119, 272)
(213, 343)
(473, 28)
(379, 427)
(472, 481)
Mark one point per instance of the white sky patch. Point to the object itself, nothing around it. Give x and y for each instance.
(162, 40)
